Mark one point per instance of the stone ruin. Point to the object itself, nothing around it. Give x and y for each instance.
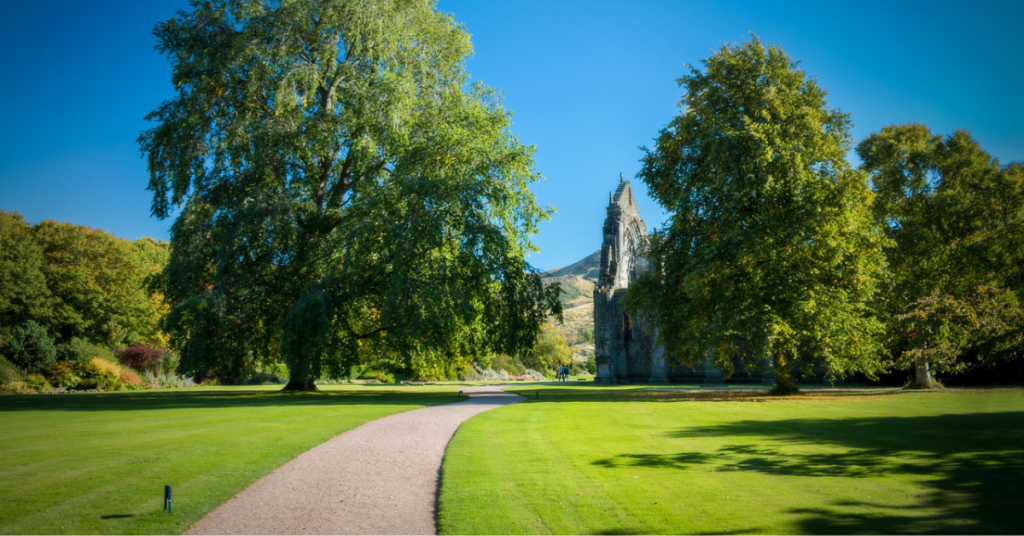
(625, 350)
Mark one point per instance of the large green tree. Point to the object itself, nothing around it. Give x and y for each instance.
(956, 222)
(343, 191)
(97, 284)
(769, 253)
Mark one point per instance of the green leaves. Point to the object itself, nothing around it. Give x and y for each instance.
(29, 347)
(23, 291)
(770, 250)
(954, 218)
(331, 155)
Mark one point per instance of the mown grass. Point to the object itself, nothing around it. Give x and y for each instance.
(98, 463)
(580, 460)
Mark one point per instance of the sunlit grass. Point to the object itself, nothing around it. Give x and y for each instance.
(98, 463)
(586, 460)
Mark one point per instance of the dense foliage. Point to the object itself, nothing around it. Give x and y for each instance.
(142, 357)
(956, 255)
(68, 295)
(23, 292)
(550, 351)
(97, 283)
(342, 194)
(29, 347)
(769, 254)
(78, 282)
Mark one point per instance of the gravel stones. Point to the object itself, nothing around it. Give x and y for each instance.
(379, 478)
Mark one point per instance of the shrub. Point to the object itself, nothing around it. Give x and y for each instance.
(99, 374)
(131, 379)
(378, 375)
(62, 374)
(165, 381)
(37, 383)
(507, 364)
(141, 356)
(487, 375)
(169, 363)
(80, 351)
(8, 372)
(538, 375)
(30, 347)
(16, 388)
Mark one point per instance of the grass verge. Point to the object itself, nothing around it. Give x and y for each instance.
(98, 463)
(635, 460)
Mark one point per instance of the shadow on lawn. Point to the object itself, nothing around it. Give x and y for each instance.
(974, 465)
(156, 400)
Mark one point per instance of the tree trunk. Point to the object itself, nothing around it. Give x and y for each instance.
(922, 375)
(301, 384)
(784, 383)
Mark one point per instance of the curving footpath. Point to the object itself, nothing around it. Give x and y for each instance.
(379, 478)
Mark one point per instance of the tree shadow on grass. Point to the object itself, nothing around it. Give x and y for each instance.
(157, 400)
(682, 460)
(972, 464)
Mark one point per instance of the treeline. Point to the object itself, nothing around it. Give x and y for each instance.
(72, 299)
(950, 298)
(782, 255)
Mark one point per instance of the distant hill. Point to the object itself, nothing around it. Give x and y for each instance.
(577, 280)
(588, 267)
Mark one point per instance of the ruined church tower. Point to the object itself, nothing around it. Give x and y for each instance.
(624, 351)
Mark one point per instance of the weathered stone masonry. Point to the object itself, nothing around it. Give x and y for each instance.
(625, 351)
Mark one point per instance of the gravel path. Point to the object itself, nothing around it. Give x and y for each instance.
(379, 478)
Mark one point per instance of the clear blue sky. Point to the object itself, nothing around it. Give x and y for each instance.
(589, 81)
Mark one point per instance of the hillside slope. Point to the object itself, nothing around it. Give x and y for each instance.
(577, 280)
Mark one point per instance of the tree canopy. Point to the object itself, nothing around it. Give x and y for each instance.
(955, 219)
(97, 284)
(770, 254)
(343, 191)
(23, 292)
(77, 282)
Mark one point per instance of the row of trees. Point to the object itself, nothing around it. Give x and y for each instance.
(347, 199)
(778, 250)
(68, 292)
(78, 282)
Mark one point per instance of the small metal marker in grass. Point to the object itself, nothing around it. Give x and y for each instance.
(167, 499)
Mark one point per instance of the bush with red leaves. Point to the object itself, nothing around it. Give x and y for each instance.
(141, 357)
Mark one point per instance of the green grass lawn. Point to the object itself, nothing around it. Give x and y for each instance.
(98, 463)
(580, 460)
